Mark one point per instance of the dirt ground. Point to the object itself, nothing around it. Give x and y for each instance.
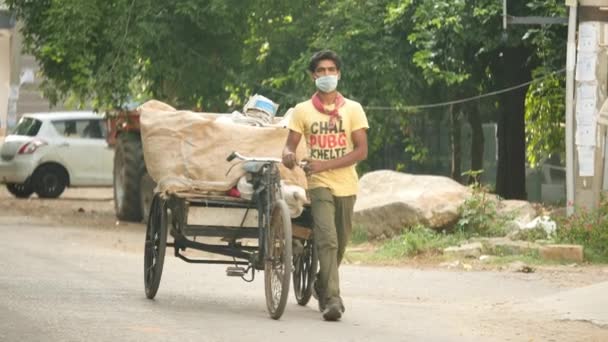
(93, 208)
(89, 214)
(89, 207)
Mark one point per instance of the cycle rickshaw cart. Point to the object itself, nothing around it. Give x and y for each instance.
(264, 217)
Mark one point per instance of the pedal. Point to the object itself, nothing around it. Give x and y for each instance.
(235, 271)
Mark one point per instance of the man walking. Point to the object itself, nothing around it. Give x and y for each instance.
(335, 132)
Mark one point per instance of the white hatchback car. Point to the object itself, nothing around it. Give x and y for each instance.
(46, 152)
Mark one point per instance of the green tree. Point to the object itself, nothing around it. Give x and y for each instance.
(185, 52)
(463, 47)
(279, 39)
(545, 100)
(378, 72)
(214, 54)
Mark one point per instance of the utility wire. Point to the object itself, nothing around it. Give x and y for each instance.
(473, 98)
(424, 106)
(435, 105)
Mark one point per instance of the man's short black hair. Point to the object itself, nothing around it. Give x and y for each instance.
(321, 55)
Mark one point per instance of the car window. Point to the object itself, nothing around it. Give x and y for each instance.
(88, 129)
(27, 126)
(94, 130)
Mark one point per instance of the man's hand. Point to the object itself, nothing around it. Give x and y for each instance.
(289, 160)
(289, 156)
(313, 166)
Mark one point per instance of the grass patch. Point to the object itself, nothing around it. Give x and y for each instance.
(358, 235)
(416, 241)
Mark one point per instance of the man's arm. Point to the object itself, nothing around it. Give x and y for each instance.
(358, 153)
(289, 151)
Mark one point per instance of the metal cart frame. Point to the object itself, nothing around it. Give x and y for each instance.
(169, 214)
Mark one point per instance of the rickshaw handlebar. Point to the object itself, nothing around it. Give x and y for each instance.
(237, 155)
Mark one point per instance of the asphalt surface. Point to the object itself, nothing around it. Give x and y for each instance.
(86, 284)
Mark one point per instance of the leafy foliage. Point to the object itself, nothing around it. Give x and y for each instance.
(213, 54)
(453, 39)
(545, 108)
(545, 101)
(588, 228)
(108, 52)
(478, 214)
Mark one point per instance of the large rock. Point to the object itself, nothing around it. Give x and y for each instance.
(519, 213)
(389, 201)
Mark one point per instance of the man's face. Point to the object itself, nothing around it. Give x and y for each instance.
(325, 67)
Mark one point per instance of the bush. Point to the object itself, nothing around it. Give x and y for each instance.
(586, 228)
(478, 215)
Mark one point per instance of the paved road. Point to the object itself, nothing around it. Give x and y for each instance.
(86, 284)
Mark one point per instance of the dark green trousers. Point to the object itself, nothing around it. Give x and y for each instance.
(332, 217)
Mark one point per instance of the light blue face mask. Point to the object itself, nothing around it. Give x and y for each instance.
(327, 84)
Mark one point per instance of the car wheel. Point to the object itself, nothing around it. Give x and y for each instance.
(20, 190)
(50, 181)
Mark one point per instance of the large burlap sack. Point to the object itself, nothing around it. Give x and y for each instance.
(185, 152)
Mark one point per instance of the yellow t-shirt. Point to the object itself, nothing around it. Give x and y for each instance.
(324, 143)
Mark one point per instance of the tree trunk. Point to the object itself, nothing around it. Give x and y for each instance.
(455, 143)
(511, 170)
(477, 141)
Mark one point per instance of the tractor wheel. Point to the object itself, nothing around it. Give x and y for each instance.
(146, 194)
(129, 168)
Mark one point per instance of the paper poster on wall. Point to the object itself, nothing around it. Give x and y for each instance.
(586, 165)
(586, 91)
(586, 103)
(586, 106)
(585, 120)
(585, 66)
(585, 134)
(588, 36)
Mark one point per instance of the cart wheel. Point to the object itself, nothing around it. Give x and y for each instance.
(156, 243)
(304, 271)
(277, 261)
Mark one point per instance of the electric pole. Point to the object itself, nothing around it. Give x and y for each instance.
(585, 137)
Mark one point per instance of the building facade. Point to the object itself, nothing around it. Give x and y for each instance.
(19, 81)
(7, 24)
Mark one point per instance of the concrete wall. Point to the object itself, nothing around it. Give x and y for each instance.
(16, 98)
(30, 97)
